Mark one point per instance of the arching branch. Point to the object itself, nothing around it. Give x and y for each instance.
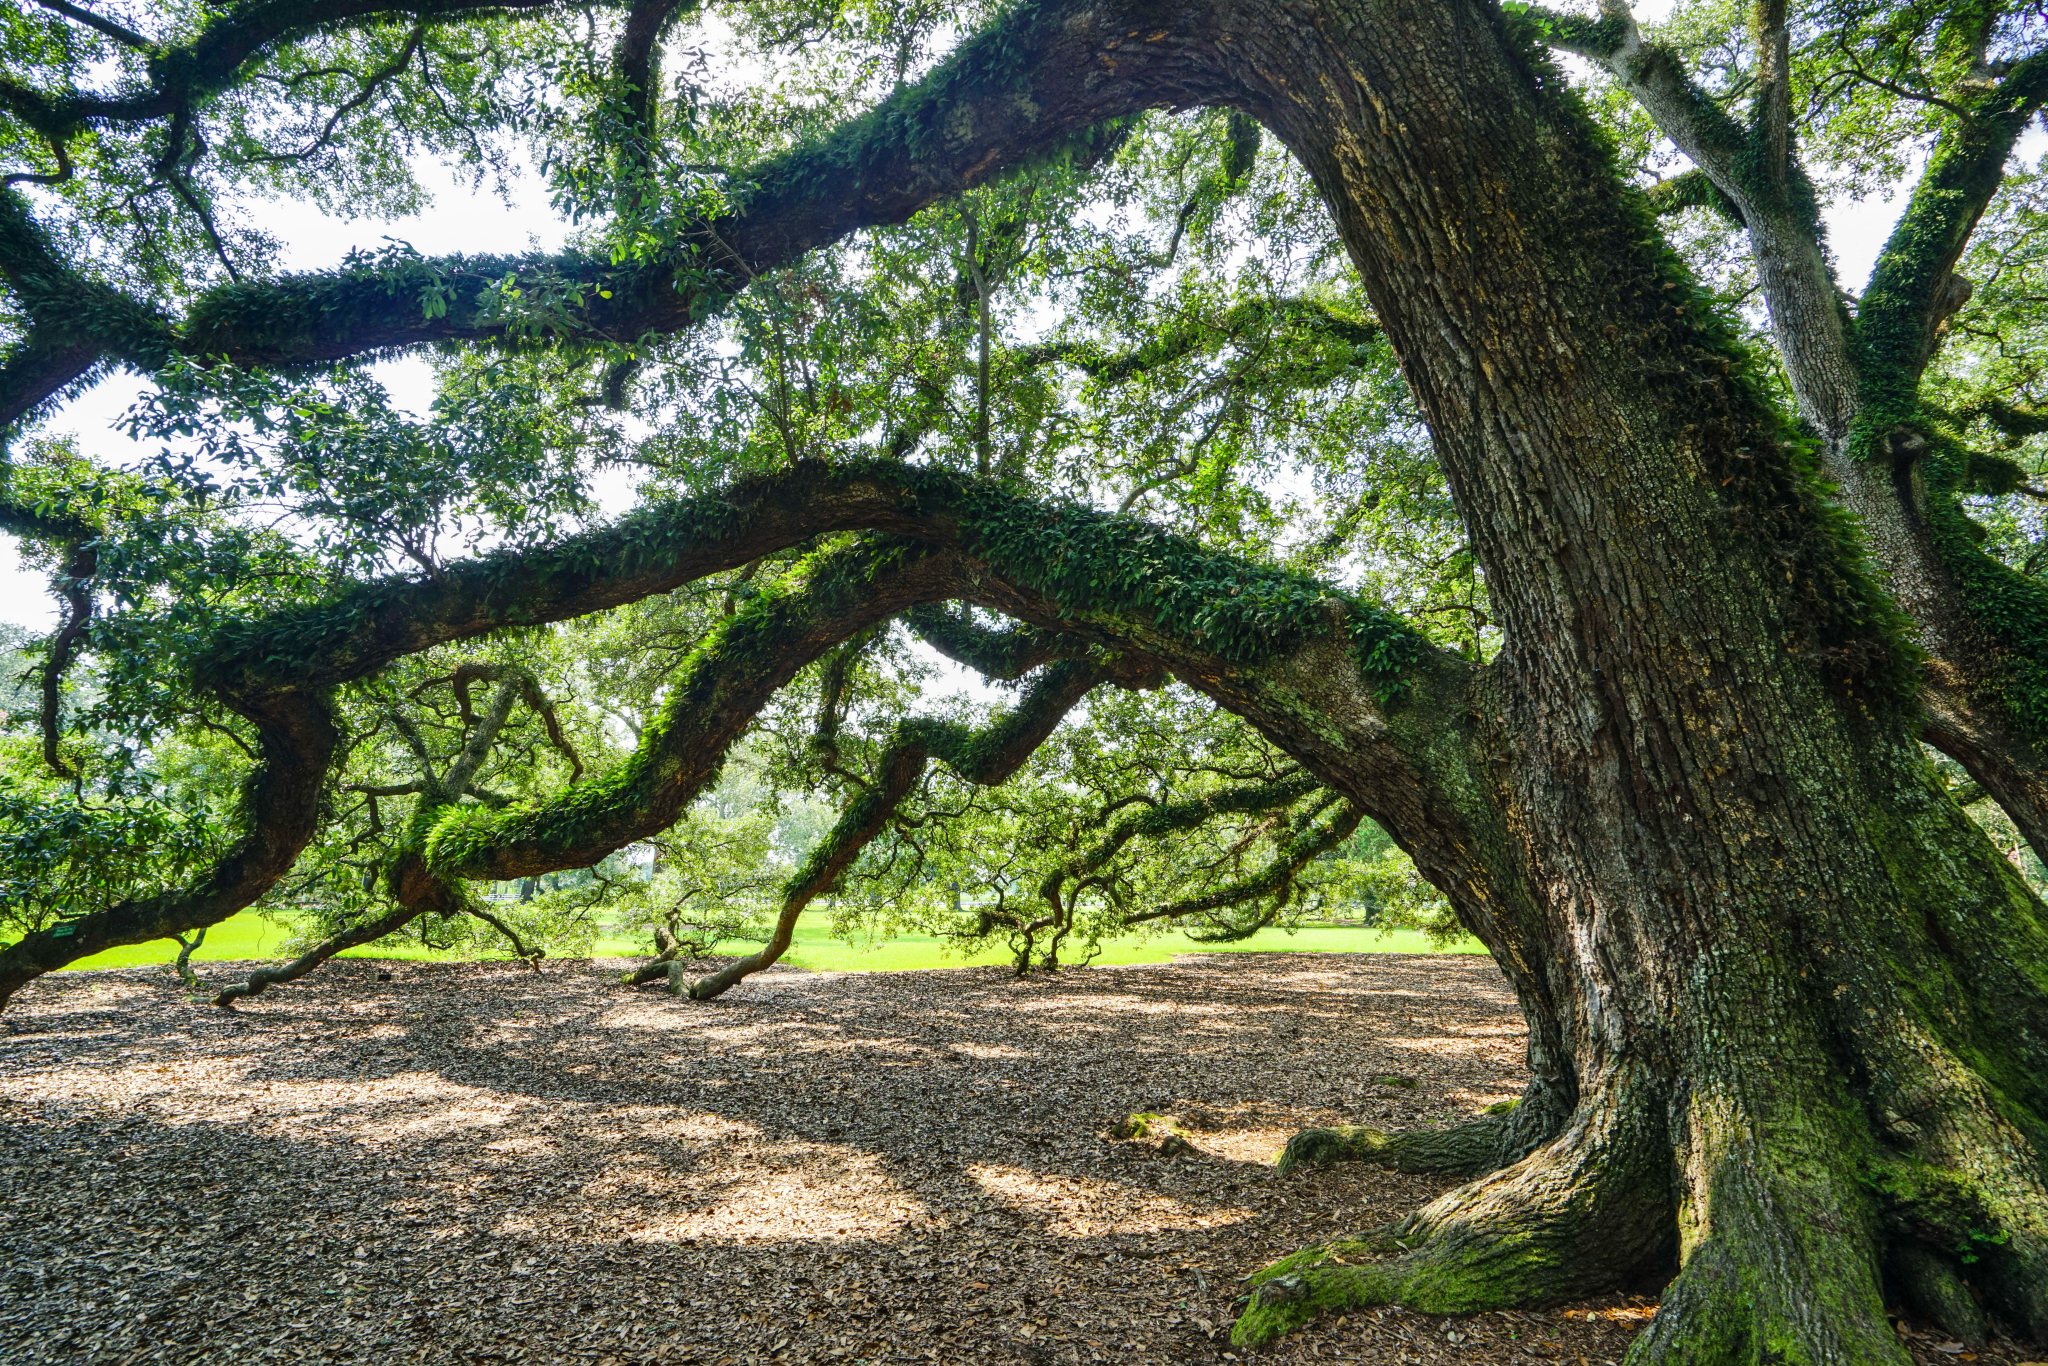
(1283, 651)
(999, 656)
(296, 735)
(986, 757)
(1911, 293)
(1021, 90)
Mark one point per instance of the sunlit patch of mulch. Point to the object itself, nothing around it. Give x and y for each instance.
(473, 1163)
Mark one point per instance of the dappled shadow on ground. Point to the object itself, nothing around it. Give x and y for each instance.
(472, 1163)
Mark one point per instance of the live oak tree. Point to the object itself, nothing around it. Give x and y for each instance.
(1787, 1006)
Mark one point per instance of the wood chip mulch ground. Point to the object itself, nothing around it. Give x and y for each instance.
(473, 1163)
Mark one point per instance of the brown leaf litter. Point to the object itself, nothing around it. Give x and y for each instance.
(470, 1163)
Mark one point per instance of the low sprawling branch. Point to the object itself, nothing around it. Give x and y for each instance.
(296, 738)
(985, 757)
(1285, 652)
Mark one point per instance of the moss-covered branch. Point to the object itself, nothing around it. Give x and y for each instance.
(217, 56)
(1001, 656)
(78, 324)
(1117, 582)
(714, 697)
(1910, 291)
(1018, 92)
(1105, 576)
(1191, 336)
(280, 812)
(1693, 189)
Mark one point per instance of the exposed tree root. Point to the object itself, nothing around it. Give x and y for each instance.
(1467, 1150)
(1793, 1217)
(1933, 1288)
(1576, 1216)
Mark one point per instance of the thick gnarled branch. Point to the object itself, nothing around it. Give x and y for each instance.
(1283, 651)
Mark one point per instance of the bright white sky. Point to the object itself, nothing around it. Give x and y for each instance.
(462, 219)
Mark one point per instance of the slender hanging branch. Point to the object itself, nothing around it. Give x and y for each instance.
(74, 585)
(985, 757)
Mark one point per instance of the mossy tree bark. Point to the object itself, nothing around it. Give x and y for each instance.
(1802, 995)
(1857, 379)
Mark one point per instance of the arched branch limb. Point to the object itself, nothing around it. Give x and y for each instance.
(1318, 673)
(1000, 656)
(985, 757)
(296, 736)
(261, 980)
(743, 663)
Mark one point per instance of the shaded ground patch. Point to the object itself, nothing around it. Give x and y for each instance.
(471, 1163)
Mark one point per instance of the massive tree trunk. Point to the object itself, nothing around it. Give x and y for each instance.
(1857, 380)
(1803, 999)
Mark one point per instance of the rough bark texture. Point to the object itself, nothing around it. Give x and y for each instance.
(1857, 381)
(1767, 934)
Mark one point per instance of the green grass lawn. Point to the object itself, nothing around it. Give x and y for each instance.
(249, 935)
